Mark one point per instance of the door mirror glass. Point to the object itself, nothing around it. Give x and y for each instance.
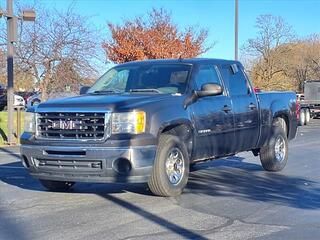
(210, 89)
(84, 90)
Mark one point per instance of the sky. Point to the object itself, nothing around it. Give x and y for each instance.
(215, 15)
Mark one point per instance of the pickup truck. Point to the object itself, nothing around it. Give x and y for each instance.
(148, 121)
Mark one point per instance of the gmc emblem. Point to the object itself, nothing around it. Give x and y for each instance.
(66, 125)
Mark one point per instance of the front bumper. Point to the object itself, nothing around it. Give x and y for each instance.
(89, 164)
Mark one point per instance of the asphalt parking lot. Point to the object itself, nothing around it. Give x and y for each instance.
(225, 199)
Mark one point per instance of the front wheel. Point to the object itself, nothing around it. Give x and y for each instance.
(56, 186)
(171, 167)
(274, 154)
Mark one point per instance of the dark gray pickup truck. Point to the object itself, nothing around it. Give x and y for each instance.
(148, 121)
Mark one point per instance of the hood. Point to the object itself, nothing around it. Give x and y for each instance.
(102, 102)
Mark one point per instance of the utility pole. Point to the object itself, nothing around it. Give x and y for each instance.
(12, 20)
(236, 23)
(10, 51)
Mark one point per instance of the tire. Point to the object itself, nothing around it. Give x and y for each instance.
(274, 154)
(171, 159)
(302, 118)
(56, 186)
(307, 116)
(283, 124)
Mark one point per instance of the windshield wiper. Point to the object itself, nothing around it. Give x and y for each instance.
(145, 90)
(107, 91)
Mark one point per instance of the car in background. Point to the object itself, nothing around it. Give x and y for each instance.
(2, 90)
(37, 98)
(34, 99)
(18, 102)
(25, 95)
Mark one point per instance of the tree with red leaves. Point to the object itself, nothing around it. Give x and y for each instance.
(153, 38)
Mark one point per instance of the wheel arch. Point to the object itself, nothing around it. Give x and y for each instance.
(280, 109)
(182, 129)
(285, 117)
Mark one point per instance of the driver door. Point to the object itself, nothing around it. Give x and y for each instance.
(212, 117)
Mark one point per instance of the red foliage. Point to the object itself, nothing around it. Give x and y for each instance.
(153, 38)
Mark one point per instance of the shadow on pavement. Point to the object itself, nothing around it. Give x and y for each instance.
(226, 177)
(173, 227)
(234, 178)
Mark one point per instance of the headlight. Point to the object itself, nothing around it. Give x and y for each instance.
(30, 122)
(129, 122)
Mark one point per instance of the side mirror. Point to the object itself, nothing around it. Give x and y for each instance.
(84, 90)
(210, 89)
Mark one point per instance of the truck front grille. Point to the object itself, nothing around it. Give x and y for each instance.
(72, 126)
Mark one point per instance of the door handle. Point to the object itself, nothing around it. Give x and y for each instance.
(252, 106)
(226, 108)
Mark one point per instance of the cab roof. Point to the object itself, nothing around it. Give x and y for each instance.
(193, 61)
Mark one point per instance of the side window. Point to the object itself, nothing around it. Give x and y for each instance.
(206, 74)
(235, 80)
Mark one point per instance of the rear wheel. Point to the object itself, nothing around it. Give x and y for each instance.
(56, 186)
(307, 116)
(171, 167)
(274, 155)
(302, 118)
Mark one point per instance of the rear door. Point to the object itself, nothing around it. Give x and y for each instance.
(245, 107)
(212, 117)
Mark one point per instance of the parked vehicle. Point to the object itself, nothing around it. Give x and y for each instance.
(2, 90)
(18, 102)
(148, 121)
(34, 99)
(25, 95)
(37, 98)
(309, 102)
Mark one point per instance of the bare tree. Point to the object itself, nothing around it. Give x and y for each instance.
(272, 40)
(304, 61)
(313, 56)
(57, 38)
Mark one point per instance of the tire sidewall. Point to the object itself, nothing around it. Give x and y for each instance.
(307, 116)
(162, 154)
(276, 165)
(302, 118)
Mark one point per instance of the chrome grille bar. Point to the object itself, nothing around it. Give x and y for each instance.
(82, 126)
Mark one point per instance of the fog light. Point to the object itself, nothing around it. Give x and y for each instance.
(122, 165)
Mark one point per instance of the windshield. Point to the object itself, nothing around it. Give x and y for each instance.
(153, 78)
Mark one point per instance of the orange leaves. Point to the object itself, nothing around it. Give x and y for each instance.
(152, 38)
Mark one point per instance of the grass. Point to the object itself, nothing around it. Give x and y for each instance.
(4, 126)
